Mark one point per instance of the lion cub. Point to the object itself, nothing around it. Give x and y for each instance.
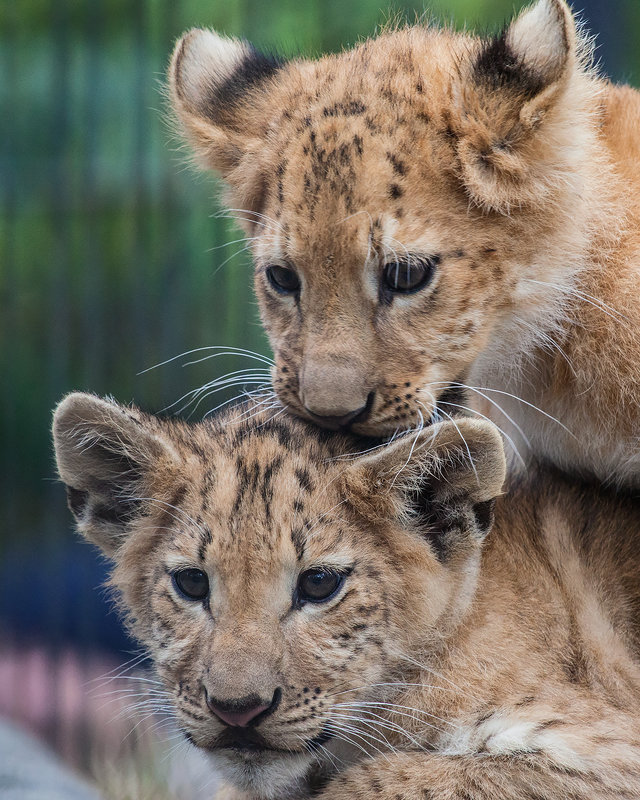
(346, 624)
(435, 214)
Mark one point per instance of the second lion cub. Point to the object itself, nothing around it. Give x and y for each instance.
(348, 626)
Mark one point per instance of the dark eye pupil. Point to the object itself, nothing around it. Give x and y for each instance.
(316, 585)
(408, 276)
(192, 583)
(283, 279)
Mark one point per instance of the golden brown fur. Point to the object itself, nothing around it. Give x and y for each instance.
(453, 663)
(507, 163)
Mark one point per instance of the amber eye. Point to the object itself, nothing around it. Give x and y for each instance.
(408, 275)
(191, 583)
(319, 584)
(283, 279)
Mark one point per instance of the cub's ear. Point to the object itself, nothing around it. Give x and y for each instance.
(444, 482)
(219, 89)
(104, 453)
(512, 123)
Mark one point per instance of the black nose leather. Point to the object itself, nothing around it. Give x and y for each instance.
(243, 711)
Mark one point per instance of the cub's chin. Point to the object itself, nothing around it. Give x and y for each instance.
(268, 774)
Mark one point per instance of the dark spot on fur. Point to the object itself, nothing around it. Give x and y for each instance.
(348, 108)
(399, 167)
(395, 191)
(298, 540)
(304, 479)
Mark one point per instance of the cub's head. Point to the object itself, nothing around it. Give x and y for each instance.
(274, 574)
(404, 199)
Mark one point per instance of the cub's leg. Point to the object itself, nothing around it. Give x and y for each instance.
(418, 776)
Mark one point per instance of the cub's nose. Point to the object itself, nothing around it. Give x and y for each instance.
(333, 393)
(243, 711)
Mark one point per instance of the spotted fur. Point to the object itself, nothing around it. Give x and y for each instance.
(455, 662)
(506, 162)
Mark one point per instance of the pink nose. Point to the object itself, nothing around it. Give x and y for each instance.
(238, 713)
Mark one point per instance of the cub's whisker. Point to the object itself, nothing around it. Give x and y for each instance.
(478, 414)
(229, 351)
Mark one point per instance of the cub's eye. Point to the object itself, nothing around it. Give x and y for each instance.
(283, 279)
(318, 585)
(191, 583)
(409, 275)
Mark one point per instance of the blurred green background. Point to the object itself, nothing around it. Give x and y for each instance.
(110, 258)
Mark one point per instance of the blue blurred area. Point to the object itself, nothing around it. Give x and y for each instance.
(58, 599)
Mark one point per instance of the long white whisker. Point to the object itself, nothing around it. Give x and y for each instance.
(441, 677)
(358, 733)
(231, 379)
(471, 461)
(506, 435)
(230, 350)
(391, 708)
(419, 430)
(379, 722)
(596, 302)
(496, 405)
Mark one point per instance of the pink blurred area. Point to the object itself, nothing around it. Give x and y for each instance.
(79, 704)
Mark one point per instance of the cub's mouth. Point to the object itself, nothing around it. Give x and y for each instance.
(244, 740)
(380, 425)
(389, 410)
(248, 741)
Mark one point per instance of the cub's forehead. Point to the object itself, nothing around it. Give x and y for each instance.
(345, 134)
(261, 485)
(406, 64)
(261, 475)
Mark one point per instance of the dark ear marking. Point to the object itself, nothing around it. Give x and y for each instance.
(77, 500)
(254, 68)
(444, 523)
(499, 67)
(440, 523)
(104, 453)
(483, 513)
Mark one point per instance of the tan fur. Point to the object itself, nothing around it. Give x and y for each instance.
(509, 161)
(448, 666)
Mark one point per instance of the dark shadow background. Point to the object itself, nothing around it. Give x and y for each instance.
(111, 260)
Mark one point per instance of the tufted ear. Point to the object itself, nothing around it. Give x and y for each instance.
(444, 481)
(510, 89)
(219, 89)
(104, 453)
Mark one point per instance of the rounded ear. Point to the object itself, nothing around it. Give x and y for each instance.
(103, 454)
(219, 88)
(443, 480)
(506, 94)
